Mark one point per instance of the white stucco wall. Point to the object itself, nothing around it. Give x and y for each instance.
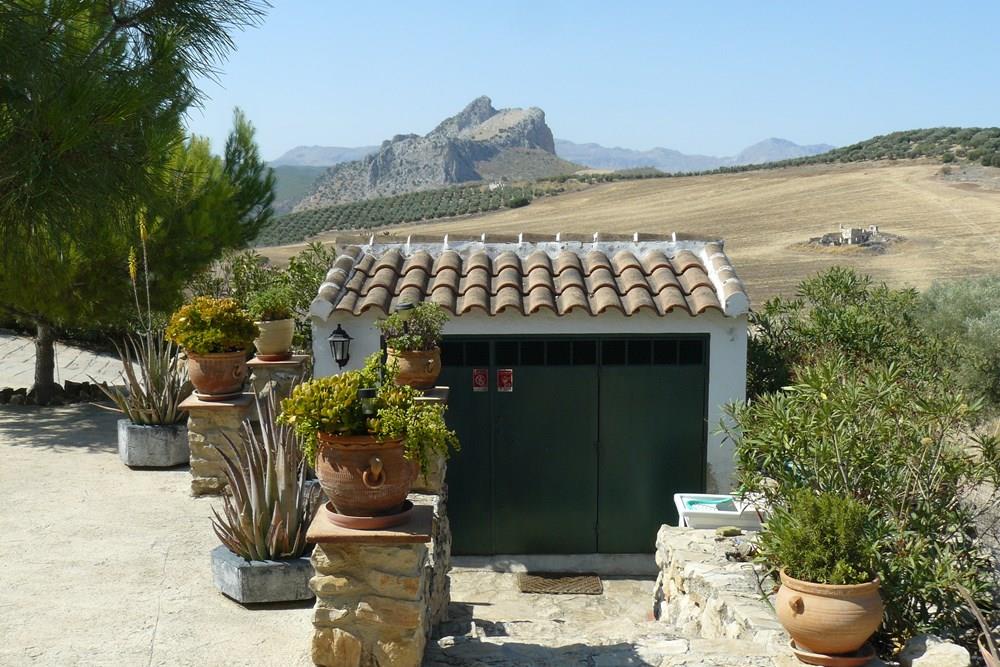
(727, 354)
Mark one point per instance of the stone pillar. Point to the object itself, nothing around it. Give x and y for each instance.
(278, 376)
(372, 605)
(207, 422)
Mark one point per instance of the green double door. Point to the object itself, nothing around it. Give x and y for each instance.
(573, 444)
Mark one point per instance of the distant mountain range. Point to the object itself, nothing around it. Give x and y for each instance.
(591, 155)
(480, 143)
(669, 160)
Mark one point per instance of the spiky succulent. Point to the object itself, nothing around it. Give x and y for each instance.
(154, 381)
(270, 506)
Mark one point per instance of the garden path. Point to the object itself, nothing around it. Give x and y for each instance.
(17, 363)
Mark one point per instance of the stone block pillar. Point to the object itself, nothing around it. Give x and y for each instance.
(372, 592)
(209, 422)
(278, 376)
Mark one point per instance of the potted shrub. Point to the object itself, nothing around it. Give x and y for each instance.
(412, 334)
(366, 437)
(265, 517)
(272, 313)
(216, 335)
(829, 598)
(154, 382)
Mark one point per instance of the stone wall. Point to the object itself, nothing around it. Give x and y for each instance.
(209, 424)
(377, 603)
(704, 594)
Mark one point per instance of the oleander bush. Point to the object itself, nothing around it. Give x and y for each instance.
(902, 443)
(207, 325)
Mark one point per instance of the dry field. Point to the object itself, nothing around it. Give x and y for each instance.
(951, 227)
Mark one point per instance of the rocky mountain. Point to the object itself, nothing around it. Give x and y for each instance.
(321, 156)
(480, 142)
(666, 159)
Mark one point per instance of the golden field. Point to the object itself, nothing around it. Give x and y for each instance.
(951, 224)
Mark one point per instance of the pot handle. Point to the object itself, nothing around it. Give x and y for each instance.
(374, 476)
(429, 365)
(795, 602)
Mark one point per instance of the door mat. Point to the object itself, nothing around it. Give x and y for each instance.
(569, 584)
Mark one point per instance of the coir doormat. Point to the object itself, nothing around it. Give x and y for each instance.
(566, 584)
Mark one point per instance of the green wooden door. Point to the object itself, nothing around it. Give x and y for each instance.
(586, 451)
(545, 458)
(652, 442)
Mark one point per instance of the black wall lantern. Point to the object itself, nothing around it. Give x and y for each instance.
(340, 346)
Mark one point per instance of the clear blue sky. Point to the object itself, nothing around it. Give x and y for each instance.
(699, 77)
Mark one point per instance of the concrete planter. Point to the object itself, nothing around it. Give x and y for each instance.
(255, 581)
(142, 446)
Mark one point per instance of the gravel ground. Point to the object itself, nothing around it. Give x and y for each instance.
(102, 565)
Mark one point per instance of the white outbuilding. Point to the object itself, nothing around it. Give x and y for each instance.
(607, 362)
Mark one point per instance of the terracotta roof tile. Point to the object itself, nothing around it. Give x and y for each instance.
(574, 273)
(594, 260)
(447, 259)
(567, 260)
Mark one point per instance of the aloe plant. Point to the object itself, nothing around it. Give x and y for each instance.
(154, 379)
(270, 507)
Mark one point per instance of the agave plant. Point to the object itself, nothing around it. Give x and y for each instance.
(987, 645)
(270, 506)
(155, 381)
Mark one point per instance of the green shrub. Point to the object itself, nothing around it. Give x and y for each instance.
(824, 538)
(270, 304)
(420, 331)
(837, 312)
(899, 442)
(966, 314)
(331, 405)
(208, 325)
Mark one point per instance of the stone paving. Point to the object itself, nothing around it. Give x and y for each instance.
(17, 363)
(493, 624)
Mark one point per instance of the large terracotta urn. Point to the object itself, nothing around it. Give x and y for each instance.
(419, 369)
(828, 619)
(363, 476)
(217, 376)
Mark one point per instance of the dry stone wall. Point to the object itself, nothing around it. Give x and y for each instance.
(209, 426)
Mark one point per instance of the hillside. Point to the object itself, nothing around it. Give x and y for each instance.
(671, 161)
(321, 156)
(475, 144)
(950, 223)
(976, 144)
(292, 183)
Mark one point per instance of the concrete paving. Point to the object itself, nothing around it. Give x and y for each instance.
(104, 565)
(17, 363)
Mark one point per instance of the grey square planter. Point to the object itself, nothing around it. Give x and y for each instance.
(254, 581)
(152, 446)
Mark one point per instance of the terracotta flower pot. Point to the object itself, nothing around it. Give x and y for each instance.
(362, 476)
(828, 619)
(275, 340)
(417, 369)
(217, 376)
